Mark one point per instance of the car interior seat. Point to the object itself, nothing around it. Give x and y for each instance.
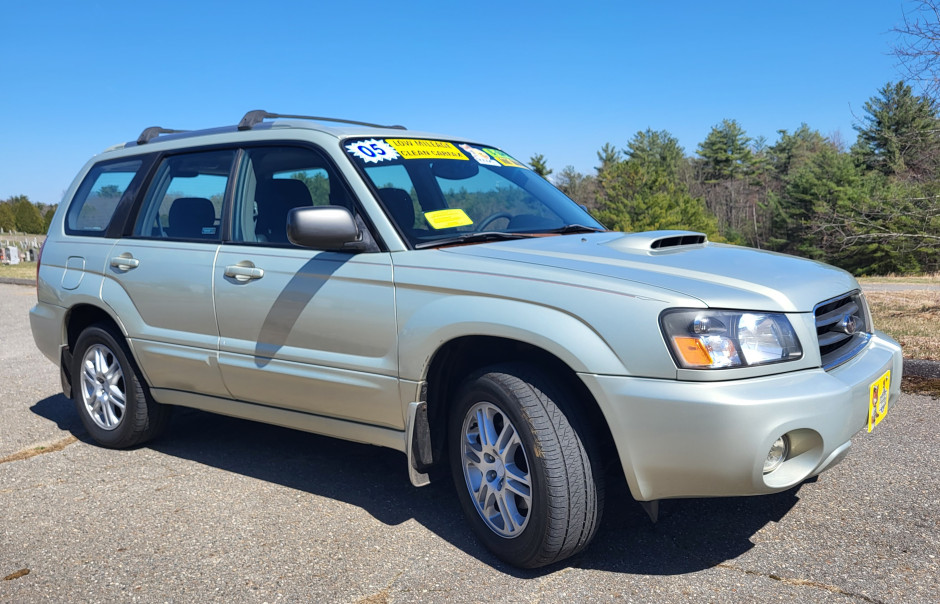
(191, 218)
(400, 206)
(276, 198)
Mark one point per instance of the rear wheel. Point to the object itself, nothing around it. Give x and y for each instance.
(524, 477)
(108, 391)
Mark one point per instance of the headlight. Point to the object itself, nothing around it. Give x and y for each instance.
(717, 339)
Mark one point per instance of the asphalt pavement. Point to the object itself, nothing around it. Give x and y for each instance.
(221, 509)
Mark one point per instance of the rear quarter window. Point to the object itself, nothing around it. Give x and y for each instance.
(98, 196)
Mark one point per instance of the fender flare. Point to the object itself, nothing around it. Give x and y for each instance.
(563, 335)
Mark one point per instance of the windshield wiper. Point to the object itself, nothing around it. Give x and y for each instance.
(472, 238)
(575, 228)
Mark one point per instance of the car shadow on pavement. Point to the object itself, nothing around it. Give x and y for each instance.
(691, 535)
(61, 410)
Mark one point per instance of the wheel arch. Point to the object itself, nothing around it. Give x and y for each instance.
(77, 319)
(458, 358)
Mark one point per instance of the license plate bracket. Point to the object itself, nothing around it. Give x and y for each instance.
(878, 400)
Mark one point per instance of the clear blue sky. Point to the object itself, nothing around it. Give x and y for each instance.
(557, 78)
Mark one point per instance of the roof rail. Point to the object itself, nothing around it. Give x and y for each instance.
(153, 132)
(255, 117)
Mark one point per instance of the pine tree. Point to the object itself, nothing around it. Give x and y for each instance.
(539, 166)
(726, 152)
(727, 164)
(28, 218)
(900, 135)
(644, 192)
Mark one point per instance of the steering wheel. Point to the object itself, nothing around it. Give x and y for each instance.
(491, 219)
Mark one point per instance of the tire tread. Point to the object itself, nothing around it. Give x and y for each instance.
(148, 418)
(574, 483)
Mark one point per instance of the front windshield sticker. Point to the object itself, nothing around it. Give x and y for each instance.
(372, 151)
(412, 148)
(504, 158)
(447, 219)
(481, 157)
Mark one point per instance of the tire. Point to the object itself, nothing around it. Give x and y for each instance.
(527, 484)
(109, 393)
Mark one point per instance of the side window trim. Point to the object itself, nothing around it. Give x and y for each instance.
(364, 220)
(228, 201)
(126, 211)
(85, 191)
(158, 161)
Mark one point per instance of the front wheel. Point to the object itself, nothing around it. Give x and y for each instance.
(108, 391)
(524, 477)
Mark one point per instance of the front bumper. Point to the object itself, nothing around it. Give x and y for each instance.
(710, 439)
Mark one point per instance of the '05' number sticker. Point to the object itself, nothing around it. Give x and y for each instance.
(372, 151)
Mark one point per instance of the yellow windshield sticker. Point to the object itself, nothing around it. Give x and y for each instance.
(413, 148)
(504, 158)
(447, 219)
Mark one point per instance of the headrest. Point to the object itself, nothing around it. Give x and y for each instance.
(399, 204)
(191, 218)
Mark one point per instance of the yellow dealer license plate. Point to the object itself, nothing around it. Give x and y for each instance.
(878, 400)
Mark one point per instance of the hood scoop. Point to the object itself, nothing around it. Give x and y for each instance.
(657, 240)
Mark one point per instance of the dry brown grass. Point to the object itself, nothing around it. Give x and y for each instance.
(926, 278)
(916, 384)
(40, 450)
(912, 317)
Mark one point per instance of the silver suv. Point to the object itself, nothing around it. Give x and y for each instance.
(432, 295)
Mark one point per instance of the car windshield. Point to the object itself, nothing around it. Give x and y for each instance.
(441, 192)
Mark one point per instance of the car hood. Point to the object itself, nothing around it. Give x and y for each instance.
(721, 276)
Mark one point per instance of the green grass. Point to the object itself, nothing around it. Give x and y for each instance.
(23, 270)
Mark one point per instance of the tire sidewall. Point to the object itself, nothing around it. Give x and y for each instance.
(125, 433)
(522, 549)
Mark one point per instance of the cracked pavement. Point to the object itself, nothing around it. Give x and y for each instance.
(221, 509)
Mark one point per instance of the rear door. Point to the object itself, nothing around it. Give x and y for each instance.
(159, 278)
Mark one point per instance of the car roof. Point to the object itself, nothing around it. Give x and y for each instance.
(255, 121)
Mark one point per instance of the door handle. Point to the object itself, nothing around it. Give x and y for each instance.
(244, 271)
(125, 262)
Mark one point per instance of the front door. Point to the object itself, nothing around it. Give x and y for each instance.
(301, 329)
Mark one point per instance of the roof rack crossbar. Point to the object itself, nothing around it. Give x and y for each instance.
(255, 117)
(153, 132)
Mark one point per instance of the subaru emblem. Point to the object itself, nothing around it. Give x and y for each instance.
(849, 324)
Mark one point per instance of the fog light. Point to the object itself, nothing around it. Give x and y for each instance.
(777, 454)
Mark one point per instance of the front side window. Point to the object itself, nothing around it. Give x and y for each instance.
(441, 192)
(185, 197)
(275, 180)
(97, 198)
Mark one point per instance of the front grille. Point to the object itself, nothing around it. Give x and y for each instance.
(842, 328)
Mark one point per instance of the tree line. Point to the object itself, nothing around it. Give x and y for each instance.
(19, 214)
(871, 208)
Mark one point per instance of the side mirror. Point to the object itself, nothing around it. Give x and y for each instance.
(330, 228)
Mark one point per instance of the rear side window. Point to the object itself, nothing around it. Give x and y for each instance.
(185, 197)
(98, 196)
